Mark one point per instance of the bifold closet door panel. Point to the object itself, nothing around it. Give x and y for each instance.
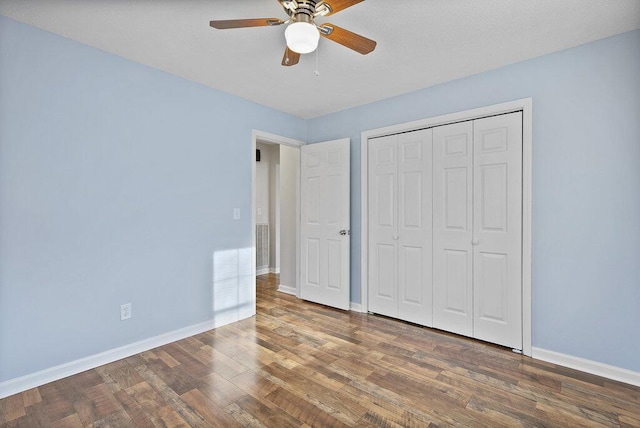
(400, 237)
(498, 229)
(383, 215)
(453, 228)
(414, 233)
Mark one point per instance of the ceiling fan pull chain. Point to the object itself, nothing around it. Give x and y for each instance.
(316, 72)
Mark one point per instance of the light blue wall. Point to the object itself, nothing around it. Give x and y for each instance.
(586, 186)
(117, 184)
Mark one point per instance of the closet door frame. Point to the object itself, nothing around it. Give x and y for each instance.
(524, 105)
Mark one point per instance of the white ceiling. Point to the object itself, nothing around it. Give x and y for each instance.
(421, 43)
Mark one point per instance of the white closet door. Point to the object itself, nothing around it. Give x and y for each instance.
(453, 227)
(414, 227)
(400, 276)
(383, 214)
(498, 230)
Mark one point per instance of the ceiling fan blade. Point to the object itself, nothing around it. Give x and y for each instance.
(243, 23)
(338, 5)
(290, 58)
(346, 38)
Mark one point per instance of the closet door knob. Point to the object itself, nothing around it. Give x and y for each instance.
(475, 242)
(395, 237)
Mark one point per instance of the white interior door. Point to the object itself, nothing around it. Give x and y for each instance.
(498, 230)
(400, 173)
(453, 227)
(325, 223)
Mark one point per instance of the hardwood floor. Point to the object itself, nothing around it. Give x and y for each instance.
(299, 364)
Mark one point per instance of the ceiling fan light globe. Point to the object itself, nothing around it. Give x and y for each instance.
(302, 37)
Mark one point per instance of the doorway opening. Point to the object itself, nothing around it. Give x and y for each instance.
(275, 207)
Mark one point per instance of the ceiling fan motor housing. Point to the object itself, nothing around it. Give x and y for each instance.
(305, 11)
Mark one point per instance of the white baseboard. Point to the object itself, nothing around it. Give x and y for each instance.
(286, 289)
(276, 270)
(355, 307)
(588, 366)
(262, 270)
(20, 384)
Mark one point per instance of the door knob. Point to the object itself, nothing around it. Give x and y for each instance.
(343, 232)
(395, 237)
(475, 242)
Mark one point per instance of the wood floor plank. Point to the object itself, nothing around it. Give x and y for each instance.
(143, 393)
(600, 401)
(57, 400)
(425, 411)
(168, 417)
(504, 396)
(386, 412)
(263, 412)
(171, 397)
(629, 422)
(219, 362)
(210, 412)
(255, 384)
(138, 416)
(31, 397)
(341, 407)
(118, 419)
(71, 421)
(167, 359)
(297, 364)
(496, 410)
(567, 417)
(304, 410)
(220, 390)
(12, 408)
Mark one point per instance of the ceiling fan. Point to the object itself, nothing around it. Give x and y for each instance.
(302, 33)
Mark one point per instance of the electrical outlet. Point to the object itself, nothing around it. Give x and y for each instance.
(236, 213)
(125, 311)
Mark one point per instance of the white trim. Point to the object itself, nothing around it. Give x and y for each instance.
(20, 384)
(527, 210)
(364, 221)
(274, 270)
(298, 226)
(355, 307)
(588, 366)
(266, 137)
(526, 105)
(287, 290)
(263, 270)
